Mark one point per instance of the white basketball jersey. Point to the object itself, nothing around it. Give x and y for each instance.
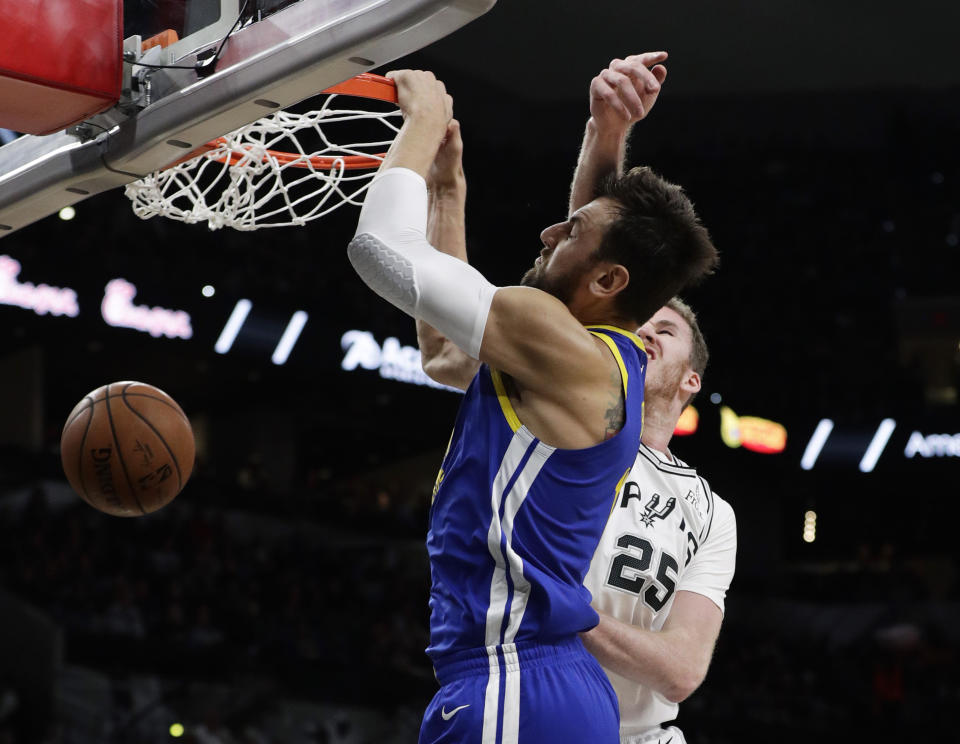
(667, 532)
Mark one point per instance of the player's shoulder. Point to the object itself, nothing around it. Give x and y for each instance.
(724, 518)
(539, 318)
(626, 337)
(721, 512)
(725, 513)
(626, 346)
(651, 459)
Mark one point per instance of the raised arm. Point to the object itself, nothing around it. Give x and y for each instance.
(525, 332)
(443, 360)
(391, 252)
(620, 96)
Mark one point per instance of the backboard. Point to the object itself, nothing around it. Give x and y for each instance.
(280, 52)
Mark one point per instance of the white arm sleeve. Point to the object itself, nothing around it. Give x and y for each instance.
(391, 254)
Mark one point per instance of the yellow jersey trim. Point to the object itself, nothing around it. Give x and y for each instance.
(616, 353)
(439, 481)
(508, 413)
(632, 336)
(616, 493)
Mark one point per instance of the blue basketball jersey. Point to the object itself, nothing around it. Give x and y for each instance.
(514, 522)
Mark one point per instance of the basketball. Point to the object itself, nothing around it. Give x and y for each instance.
(127, 449)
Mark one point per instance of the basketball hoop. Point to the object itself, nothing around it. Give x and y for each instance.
(285, 169)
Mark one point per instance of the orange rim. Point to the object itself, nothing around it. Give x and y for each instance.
(364, 85)
(367, 85)
(294, 160)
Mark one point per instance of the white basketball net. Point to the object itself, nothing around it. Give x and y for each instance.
(265, 174)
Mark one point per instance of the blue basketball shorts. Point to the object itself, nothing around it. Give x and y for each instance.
(522, 693)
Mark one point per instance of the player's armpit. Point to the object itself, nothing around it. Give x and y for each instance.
(532, 336)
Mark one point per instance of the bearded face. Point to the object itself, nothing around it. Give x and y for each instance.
(570, 250)
(664, 378)
(561, 284)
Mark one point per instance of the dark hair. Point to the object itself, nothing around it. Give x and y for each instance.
(699, 354)
(657, 236)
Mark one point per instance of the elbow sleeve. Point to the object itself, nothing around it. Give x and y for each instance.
(391, 254)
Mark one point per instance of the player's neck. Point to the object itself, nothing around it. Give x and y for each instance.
(592, 312)
(659, 422)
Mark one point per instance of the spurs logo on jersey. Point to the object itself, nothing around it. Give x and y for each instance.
(651, 512)
(631, 490)
(666, 533)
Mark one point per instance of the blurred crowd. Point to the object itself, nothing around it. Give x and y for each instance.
(297, 610)
(181, 588)
(186, 593)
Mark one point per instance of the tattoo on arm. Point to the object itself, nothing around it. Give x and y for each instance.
(616, 412)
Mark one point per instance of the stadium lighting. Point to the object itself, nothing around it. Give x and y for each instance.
(809, 526)
(67, 214)
(753, 433)
(229, 333)
(877, 445)
(297, 321)
(815, 445)
(176, 730)
(688, 422)
(208, 290)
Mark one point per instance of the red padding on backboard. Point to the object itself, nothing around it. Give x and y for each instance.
(60, 62)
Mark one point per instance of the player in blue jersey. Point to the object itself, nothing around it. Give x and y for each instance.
(548, 428)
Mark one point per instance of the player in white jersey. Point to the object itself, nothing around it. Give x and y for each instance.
(667, 555)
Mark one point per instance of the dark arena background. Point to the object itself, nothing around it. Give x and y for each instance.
(282, 597)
